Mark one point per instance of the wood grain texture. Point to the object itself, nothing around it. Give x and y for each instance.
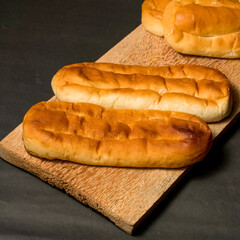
(123, 195)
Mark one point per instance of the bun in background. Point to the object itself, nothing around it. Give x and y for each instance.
(203, 27)
(152, 15)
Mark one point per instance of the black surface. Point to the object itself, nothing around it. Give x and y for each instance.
(36, 39)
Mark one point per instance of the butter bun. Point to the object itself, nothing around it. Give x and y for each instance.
(89, 134)
(197, 90)
(203, 27)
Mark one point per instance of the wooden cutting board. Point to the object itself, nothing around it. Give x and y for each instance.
(123, 195)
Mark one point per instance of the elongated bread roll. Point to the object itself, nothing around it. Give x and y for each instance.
(152, 15)
(89, 134)
(203, 27)
(197, 90)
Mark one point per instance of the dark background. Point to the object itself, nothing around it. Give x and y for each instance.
(36, 39)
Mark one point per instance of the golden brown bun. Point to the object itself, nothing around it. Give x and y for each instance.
(203, 27)
(152, 15)
(197, 90)
(89, 134)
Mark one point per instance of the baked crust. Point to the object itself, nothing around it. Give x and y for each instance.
(197, 90)
(203, 27)
(152, 15)
(89, 134)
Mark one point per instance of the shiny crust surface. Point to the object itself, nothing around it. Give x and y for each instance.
(152, 15)
(203, 27)
(197, 90)
(90, 134)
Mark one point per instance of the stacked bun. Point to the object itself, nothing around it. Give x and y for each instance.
(202, 27)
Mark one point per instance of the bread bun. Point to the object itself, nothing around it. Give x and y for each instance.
(203, 27)
(197, 90)
(152, 15)
(89, 134)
